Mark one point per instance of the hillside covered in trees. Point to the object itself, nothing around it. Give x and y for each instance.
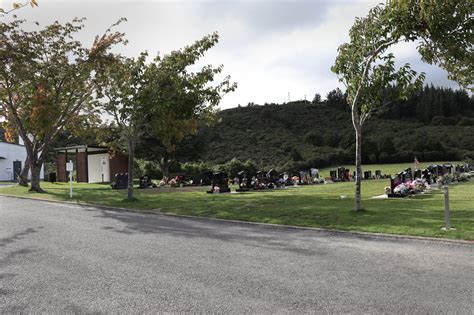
(435, 124)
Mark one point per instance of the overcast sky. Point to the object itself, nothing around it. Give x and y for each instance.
(271, 48)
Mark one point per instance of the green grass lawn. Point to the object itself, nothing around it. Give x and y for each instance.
(326, 206)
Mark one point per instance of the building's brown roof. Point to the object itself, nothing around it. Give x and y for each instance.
(81, 148)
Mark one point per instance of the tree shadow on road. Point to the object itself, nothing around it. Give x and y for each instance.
(262, 237)
(18, 236)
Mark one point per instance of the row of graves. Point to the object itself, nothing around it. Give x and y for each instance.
(121, 182)
(182, 180)
(409, 182)
(342, 174)
(404, 183)
(263, 180)
(176, 180)
(219, 181)
(246, 182)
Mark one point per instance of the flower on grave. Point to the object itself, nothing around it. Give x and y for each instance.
(419, 185)
(402, 189)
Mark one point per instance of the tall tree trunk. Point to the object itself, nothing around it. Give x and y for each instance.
(358, 162)
(356, 122)
(35, 165)
(165, 167)
(23, 177)
(131, 156)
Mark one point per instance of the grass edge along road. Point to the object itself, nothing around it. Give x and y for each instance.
(322, 206)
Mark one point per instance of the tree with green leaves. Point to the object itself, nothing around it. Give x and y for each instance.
(16, 6)
(150, 148)
(365, 67)
(163, 98)
(317, 99)
(23, 176)
(123, 83)
(46, 79)
(445, 31)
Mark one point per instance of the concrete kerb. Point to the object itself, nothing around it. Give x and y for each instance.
(357, 234)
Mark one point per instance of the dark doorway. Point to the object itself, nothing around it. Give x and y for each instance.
(16, 169)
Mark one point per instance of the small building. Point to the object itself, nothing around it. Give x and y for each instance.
(12, 159)
(91, 164)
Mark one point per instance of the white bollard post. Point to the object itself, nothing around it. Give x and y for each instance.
(446, 208)
(70, 168)
(447, 212)
(70, 184)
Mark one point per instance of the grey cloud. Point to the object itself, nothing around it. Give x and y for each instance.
(266, 16)
(268, 46)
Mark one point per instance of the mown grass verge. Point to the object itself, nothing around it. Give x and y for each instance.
(325, 206)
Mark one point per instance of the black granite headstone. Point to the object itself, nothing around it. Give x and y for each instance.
(121, 181)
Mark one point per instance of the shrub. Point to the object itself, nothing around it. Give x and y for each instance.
(443, 121)
(196, 169)
(148, 168)
(314, 138)
(466, 121)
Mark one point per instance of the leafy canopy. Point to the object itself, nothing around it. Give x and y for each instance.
(164, 98)
(365, 66)
(16, 6)
(48, 77)
(445, 30)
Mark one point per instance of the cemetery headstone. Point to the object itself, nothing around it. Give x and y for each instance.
(273, 179)
(447, 168)
(120, 181)
(206, 178)
(378, 174)
(244, 183)
(220, 183)
(426, 175)
(145, 182)
(304, 177)
(408, 174)
(417, 174)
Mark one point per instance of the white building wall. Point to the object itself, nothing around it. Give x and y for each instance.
(98, 165)
(12, 152)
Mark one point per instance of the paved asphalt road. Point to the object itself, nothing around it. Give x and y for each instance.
(67, 258)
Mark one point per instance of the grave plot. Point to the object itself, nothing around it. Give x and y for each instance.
(285, 180)
(341, 174)
(220, 183)
(145, 182)
(120, 181)
(410, 182)
(405, 183)
(262, 180)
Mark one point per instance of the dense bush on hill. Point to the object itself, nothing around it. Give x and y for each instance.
(436, 124)
(301, 134)
(432, 102)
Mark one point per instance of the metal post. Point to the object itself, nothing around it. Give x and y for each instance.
(70, 180)
(446, 208)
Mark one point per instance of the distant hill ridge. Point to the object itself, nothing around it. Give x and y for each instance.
(299, 134)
